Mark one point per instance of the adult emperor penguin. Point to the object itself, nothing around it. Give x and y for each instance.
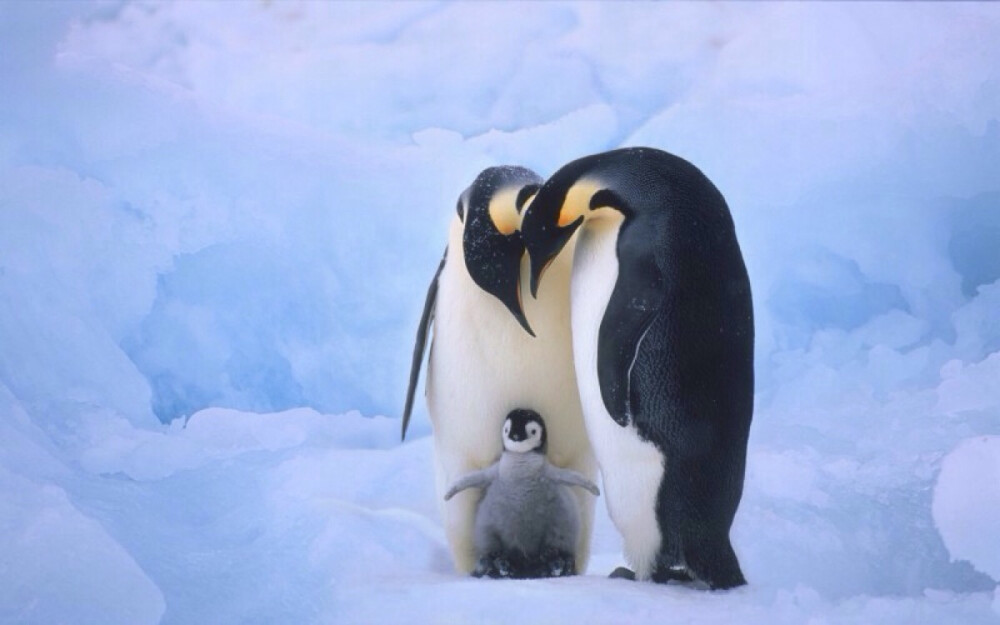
(484, 360)
(663, 348)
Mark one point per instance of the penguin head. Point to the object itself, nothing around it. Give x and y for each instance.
(630, 187)
(582, 191)
(524, 431)
(490, 211)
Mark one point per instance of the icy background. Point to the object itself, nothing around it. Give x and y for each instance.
(218, 221)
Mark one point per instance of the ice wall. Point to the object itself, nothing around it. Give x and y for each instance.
(247, 202)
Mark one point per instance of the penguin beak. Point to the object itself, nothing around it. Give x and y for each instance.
(544, 239)
(516, 306)
(543, 236)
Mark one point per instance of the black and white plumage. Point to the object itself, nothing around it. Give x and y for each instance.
(527, 523)
(663, 337)
(483, 361)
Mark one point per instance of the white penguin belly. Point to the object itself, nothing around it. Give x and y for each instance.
(631, 468)
(483, 365)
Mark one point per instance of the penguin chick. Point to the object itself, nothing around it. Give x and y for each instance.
(527, 524)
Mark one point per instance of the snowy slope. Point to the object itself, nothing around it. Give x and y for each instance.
(217, 224)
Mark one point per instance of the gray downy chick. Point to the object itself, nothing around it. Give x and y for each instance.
(527, 523)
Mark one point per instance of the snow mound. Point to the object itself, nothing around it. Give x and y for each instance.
(967, 503)
(61, 565)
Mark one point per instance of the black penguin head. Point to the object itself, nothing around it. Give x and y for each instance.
(491, 240)
(524, 431)
(573, 195)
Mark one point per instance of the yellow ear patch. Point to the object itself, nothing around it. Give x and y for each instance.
(566, 217)
(503, 211)
(577, 201)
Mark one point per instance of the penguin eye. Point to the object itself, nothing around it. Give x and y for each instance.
(458, 209)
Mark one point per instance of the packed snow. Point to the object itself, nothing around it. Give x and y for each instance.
(218, 222)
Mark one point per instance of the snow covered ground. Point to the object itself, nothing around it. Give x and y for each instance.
(217, 224)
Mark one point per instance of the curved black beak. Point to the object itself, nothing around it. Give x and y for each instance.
(515, 305)
(544, 238)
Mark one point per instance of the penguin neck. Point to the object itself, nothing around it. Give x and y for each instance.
(517, 462)
(595, 263)
(595, 273)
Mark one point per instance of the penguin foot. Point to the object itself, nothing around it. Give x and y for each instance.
(560, 564)
(622, 573)
(548, 563)
(493, 566)
(725, 581)
(516, 565)
(672, 574)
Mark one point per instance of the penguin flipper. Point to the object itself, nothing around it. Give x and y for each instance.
(476, 479)
(421, 343)
(571, 478)
(631, 311)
